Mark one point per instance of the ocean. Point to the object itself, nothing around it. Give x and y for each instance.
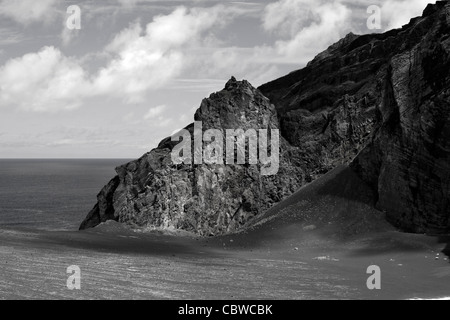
(52, 195)
(43, 202)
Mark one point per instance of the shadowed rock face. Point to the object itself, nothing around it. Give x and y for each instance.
(378, 102)
(408, 159)
(386, 99)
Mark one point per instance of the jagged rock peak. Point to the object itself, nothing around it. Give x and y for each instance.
(238, 105)
(233, 84)
(204, 199)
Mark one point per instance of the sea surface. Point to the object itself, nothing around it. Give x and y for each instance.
(52, 195)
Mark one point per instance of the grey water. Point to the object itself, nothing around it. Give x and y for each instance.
(52, 195)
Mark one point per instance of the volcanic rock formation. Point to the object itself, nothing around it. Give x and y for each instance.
(378, 102)
(390, 91)
(205, 199)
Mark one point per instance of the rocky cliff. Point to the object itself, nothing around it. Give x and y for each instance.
(201, 198)
(378, 102)
(386, 99)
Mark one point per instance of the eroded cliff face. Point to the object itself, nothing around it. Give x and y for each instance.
(205, 199)
(383, 98)
(378, 102)
(408, 159)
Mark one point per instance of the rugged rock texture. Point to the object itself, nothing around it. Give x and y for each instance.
(408, 159)
(378, 102)
(389, 96)
(205, 199)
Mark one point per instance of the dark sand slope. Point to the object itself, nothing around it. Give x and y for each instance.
(315, 245)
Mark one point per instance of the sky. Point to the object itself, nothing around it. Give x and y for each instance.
(116, 77)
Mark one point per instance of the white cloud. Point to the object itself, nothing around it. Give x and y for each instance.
(185, 43)
(186, 53)
(154, 112)
(148, 59)
(28, 11)
(309, 26)
(395, 13)
(288, 17)
(144, 59)
(304, 27)
(42, 81)
(141, 60)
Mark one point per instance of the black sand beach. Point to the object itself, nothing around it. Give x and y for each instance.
(316, 245)
(128, 265)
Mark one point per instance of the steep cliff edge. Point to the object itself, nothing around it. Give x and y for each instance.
(378, 102)
(390, 96)
(408, 159)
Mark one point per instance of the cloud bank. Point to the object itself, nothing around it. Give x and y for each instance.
(185, 42)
